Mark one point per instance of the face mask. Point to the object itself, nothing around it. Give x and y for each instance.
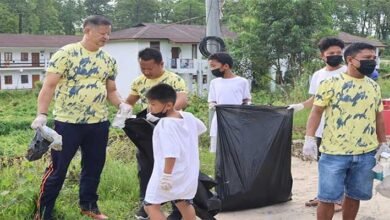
(161, 114)
(334, 60)
(150, 117)
(217, 72)
(366, 67)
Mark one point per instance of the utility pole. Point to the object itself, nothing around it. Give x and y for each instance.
(212, 29)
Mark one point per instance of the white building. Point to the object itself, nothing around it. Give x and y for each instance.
(179, 46)
(24, 58)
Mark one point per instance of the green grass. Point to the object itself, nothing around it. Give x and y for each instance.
(118, 190)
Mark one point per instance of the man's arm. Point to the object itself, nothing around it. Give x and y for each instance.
(181, 101)
(132, 99)
(309, 102)
(47, 92)
(112, 93)
(380, 128)
(314, 120)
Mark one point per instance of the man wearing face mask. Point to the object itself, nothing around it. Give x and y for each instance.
(226, 88)
(153, 73)
(353, 133)
(331, 53)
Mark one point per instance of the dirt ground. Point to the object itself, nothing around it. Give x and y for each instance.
(305, 188)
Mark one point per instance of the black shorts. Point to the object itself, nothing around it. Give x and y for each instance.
(189, 201)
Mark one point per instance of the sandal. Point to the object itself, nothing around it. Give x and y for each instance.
(312, 203)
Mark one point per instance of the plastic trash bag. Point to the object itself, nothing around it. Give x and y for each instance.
(253, 159)
(44, 139)
(384, 187)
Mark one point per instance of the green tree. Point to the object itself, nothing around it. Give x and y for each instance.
(48, 17)
(9, 22)
(189, 12)
(98, 7)
(71, 13)
(274, 33)
(131, 12)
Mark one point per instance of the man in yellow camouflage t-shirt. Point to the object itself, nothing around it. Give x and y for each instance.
(353, 126)
(153, 73)
(80, 78)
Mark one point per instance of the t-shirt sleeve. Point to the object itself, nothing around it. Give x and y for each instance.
(59, 62)
(168, 140)
(114, 70)
(313, 85)
(201, 128)
(379, 105)
(179, 85)
(135, 87)
(211, 96)
(324, 94)
(247, 92)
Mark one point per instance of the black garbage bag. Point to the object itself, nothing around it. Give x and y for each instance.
(253, 161)
(140, 132)
(38, 147)
(206, 203)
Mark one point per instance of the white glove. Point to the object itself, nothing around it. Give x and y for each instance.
(310, 148)
(383, 147)
(212, 105)
(126, 109)
(166, 182)
(53, 137)
(39, 121)
(297, 107)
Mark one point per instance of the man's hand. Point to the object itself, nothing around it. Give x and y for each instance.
(383, 147)
(296, 107)
(166, 182)
(39, 121)
(310, 148)
(126, 109)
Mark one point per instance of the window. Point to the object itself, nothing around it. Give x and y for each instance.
(24, 56)
(51, 54)
(194, 51)
(24, 79)
(155, 45)
(7, 56)
(8, 80)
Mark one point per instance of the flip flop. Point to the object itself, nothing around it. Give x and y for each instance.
(312, 203)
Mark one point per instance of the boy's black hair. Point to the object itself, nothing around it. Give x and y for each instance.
(223, 58)
(96, 20)
(355, 48)
(150, 54)
(162, 92)
(327, 42)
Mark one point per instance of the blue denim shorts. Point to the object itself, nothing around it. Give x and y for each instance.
(351, 175)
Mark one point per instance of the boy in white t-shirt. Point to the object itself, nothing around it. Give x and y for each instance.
(176, 156)
(331, 53)
(226, 89)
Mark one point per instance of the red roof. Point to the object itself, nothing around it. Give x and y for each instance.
(177, 33)
(349, 39)
(25, 40)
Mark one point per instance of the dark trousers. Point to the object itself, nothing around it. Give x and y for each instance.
(145, 169)
(92, 140)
